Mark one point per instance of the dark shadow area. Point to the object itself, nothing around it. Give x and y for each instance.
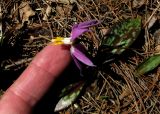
(47, 104)
(104, 59)
(136, 46)
(8, 77)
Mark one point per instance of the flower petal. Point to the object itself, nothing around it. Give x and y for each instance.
(77, 32)
(80, 56)
(89, 23)
(82, 27)
(76, 62)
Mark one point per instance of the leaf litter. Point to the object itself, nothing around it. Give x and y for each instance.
(114, 86)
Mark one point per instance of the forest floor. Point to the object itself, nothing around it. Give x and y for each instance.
(26, 26)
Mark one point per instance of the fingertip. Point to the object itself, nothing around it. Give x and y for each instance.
(46, 66)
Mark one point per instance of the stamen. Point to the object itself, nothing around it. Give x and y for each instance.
(61, 40)
(67, 41)
(57, 40)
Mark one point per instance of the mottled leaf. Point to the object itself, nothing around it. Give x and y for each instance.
(69, 95)
(122, 35)
(148, 65)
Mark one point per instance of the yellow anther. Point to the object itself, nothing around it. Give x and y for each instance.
(58, 40)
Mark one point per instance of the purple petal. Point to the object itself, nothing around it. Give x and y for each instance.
(76, 62)
(80, 56)
(77, 32)
(82, 27)
(86, 24)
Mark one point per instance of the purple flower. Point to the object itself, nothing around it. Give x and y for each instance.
(80, 28)
(76, 49)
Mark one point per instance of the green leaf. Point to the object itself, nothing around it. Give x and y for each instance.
(72, 92)
(122, 35)
(148, 65)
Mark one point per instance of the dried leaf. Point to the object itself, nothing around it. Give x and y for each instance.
(25, 11)
(138, 3)
(64, 10)
(125, 92)
(104, 31)
(152, 22)
(47, 13)
(60, 11)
